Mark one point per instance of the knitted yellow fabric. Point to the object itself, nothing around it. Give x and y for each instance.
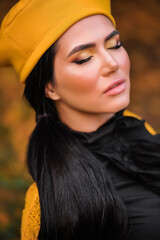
(31, 214)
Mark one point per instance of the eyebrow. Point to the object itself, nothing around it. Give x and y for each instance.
(90, 45)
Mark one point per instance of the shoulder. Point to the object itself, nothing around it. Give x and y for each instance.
(147, 125)
(31, 214)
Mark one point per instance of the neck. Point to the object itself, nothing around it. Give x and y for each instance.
(83, 121)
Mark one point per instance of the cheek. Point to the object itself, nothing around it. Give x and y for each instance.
(73, 78)
(124, 62)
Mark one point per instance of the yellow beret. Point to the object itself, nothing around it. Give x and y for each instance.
(32, 26)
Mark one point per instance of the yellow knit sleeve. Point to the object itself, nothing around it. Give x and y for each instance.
(31, 215)
(147, 126)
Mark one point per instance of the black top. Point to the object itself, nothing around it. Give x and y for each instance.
(132, 156)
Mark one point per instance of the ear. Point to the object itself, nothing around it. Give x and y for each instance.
(50, 92)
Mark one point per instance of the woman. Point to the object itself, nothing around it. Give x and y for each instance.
(95, 166)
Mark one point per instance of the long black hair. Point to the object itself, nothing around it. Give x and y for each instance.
(77, 197)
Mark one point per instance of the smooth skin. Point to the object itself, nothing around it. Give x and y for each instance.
(83, 77)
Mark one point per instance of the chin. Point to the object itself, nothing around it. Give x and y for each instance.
(121, 104)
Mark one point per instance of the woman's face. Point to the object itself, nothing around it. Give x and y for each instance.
(91, 70)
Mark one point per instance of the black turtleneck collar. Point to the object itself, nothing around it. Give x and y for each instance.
(124, 142)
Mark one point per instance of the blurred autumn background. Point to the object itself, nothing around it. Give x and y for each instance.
(138, 22)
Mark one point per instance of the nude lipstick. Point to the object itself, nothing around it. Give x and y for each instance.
(116, 87)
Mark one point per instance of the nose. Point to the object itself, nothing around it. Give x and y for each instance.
(109, 63)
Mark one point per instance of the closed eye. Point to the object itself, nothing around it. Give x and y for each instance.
(110, 47)
(82, 60)
(116, 46)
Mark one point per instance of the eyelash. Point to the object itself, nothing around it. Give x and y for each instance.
(83, 60)
(89, 58)
(116, 46)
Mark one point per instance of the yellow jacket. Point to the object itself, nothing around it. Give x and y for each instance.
(31, 213)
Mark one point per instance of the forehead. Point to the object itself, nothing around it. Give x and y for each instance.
(89, 29)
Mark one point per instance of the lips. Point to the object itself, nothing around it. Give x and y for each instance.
(116, 87)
